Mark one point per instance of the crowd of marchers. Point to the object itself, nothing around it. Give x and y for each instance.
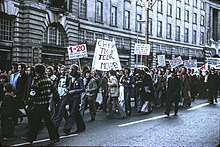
(53, 93)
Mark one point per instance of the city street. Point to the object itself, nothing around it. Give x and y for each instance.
(198, 125)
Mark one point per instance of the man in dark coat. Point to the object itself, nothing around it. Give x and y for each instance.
(173, 93)
(20, 89)
(213, 84)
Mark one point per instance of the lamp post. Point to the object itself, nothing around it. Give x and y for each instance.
(147, 4)
(137, 22)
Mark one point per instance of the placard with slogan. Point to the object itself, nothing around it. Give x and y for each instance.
(106, 56)
(190, 63)
(161, 60)
(142, 49)
(78, 51)
(214, 62)
(176, 62)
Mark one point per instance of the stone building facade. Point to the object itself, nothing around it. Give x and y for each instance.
(34, 31)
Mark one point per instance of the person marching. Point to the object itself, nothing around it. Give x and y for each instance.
(42, 86)
(173, 92)
(74, 91)
(90, 95)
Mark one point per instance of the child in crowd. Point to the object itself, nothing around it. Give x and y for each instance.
(8, 112)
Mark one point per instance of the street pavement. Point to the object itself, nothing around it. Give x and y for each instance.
(197, 126)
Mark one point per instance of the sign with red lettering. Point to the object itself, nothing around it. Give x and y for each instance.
(78, 51)
(106, 56)
(176, 62)
(190, 63)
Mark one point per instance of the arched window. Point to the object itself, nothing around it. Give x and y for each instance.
(54, 35)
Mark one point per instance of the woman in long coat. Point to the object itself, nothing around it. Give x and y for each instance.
(185, 87)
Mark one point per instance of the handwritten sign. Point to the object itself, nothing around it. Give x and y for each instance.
(142, 49)
(214, 62)
(190, 63)
(78, 51)
(106, 56)
(176, 62)
(161, 60)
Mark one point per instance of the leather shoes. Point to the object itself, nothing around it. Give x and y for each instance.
(53, 142)
(26, 139)
(67, 132)
(168, 114)
(79, 130)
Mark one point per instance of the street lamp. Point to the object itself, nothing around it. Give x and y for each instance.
(138, 21)
(147, 4)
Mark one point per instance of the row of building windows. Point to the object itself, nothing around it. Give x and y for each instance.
(113, 14)
(177, 33)
(169, 6)
(179, 51)
(90, 38)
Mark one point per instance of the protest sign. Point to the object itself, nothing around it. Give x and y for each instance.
(161, 60)
(214, 62)
(78, 51)
(176, 62)
(190, 63)
(142, 49)
(106, 56)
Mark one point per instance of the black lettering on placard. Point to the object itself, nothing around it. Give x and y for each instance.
(104, 50)
(112, 65)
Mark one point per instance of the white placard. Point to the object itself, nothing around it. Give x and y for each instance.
(161, 60)
(142, 49)
(176, 62)
(106, 56)
(78, 51)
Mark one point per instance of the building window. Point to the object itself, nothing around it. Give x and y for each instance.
(98, 36)
(119, 42)
(159, 29)
(187, 15)
(202, 20)
(195, 18)
(114, 16)
(89, 38)
(150, 26)
(187, 1)
(5, 28)
(178, 33)
(127, 43)
(169, 10)
(178, 13)
(54, 35)
(81, 36)
(82, 8)
(169, 31)
(202, 5)
(99, 11)
(202, 38)
(194, 3)
(186, 35)
(160, 6)
(139, 23)
(127, 20)
(194, 37)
